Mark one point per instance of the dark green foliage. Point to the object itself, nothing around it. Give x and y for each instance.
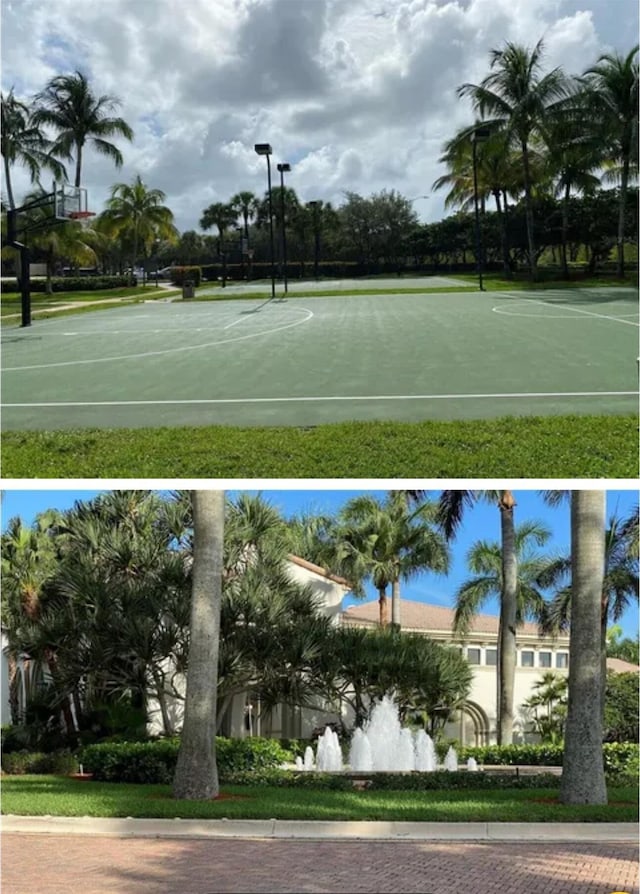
(75, 284)
(443, 780)
(154, 762)
(234, 755)
(180, 275)
(132, 761)
(621, 708)
(58, 763)
(620, 759)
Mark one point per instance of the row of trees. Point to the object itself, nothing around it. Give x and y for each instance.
(553, 140)
(99, 597)
(546, 132)
(50, 569)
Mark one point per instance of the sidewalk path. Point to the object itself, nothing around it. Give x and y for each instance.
(59, 864)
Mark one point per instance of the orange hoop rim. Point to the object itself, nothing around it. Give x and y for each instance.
(81, 215)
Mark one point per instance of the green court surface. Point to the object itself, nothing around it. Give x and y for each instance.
(305, 361)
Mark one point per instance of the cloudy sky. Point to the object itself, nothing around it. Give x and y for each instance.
(356, 94)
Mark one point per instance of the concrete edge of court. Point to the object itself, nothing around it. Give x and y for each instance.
(128, 827)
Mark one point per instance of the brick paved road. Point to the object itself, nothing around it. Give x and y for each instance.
(53, 864)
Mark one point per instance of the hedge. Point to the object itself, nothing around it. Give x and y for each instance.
(57, 763)
(75, 284)
(620, 758)
(151, 762)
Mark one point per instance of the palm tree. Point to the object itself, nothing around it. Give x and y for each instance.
(246, 204)
(583, 779)
(451, 509)
(549, 695)
(220, 215)
(485, 562)
(69, 106)
(498, 175)
(28, 561)
(196, 776)
(516, 98)
(58, 239)
(619, 584)
(135, 211)
(572, 156)
(610, 105)
(389, 542)
(23, 142)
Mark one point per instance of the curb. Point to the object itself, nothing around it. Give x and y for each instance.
(290, 829)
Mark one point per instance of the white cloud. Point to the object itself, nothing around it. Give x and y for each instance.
(357, 94)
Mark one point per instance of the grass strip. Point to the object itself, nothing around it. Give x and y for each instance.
(510, 447)
(61, 796)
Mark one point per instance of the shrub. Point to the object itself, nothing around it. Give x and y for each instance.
(151, 762)
(79, 283)
(58, 763)
(180, 275)
(620, 758)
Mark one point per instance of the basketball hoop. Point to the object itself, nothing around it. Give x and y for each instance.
(82, 217)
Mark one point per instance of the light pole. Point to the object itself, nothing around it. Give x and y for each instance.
(265, 149)
(282, 168)
(479, 135)
(316, 232)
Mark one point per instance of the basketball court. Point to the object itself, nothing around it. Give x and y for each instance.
(304, 361)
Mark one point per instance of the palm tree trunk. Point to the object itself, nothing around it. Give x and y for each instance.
(383, 607)
(167, 725)
(7, 180)
(65, 705)
(196, 776)
(583, 779)
(395, 603)
(624, 180)
(533, 264)
(508, 611)
(12, 680)
(49, 286)
(78, 163)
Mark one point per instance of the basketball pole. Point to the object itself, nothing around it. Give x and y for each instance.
(25, 285)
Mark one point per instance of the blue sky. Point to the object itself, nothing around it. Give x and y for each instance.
(481, 522)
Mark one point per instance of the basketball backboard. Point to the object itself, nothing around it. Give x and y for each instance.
(69, 202)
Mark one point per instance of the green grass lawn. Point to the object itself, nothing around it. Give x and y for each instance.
(527, 447)
(61, 796)
(44, 305)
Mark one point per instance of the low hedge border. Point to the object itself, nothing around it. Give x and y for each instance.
(56, 763)
(76, 283)
(155, 762)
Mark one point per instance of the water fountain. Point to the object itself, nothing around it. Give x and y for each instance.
(381, 745)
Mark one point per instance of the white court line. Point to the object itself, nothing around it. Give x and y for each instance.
(210, 344)
(350, 397)
(578, 310)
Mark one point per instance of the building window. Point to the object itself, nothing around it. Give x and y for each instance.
(562, 659)
(544, 659)
(526, 659)
(491, 657)
(473, 656)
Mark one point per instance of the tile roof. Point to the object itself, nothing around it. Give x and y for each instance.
(621, 667)
(303, 563)
(422, 616)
